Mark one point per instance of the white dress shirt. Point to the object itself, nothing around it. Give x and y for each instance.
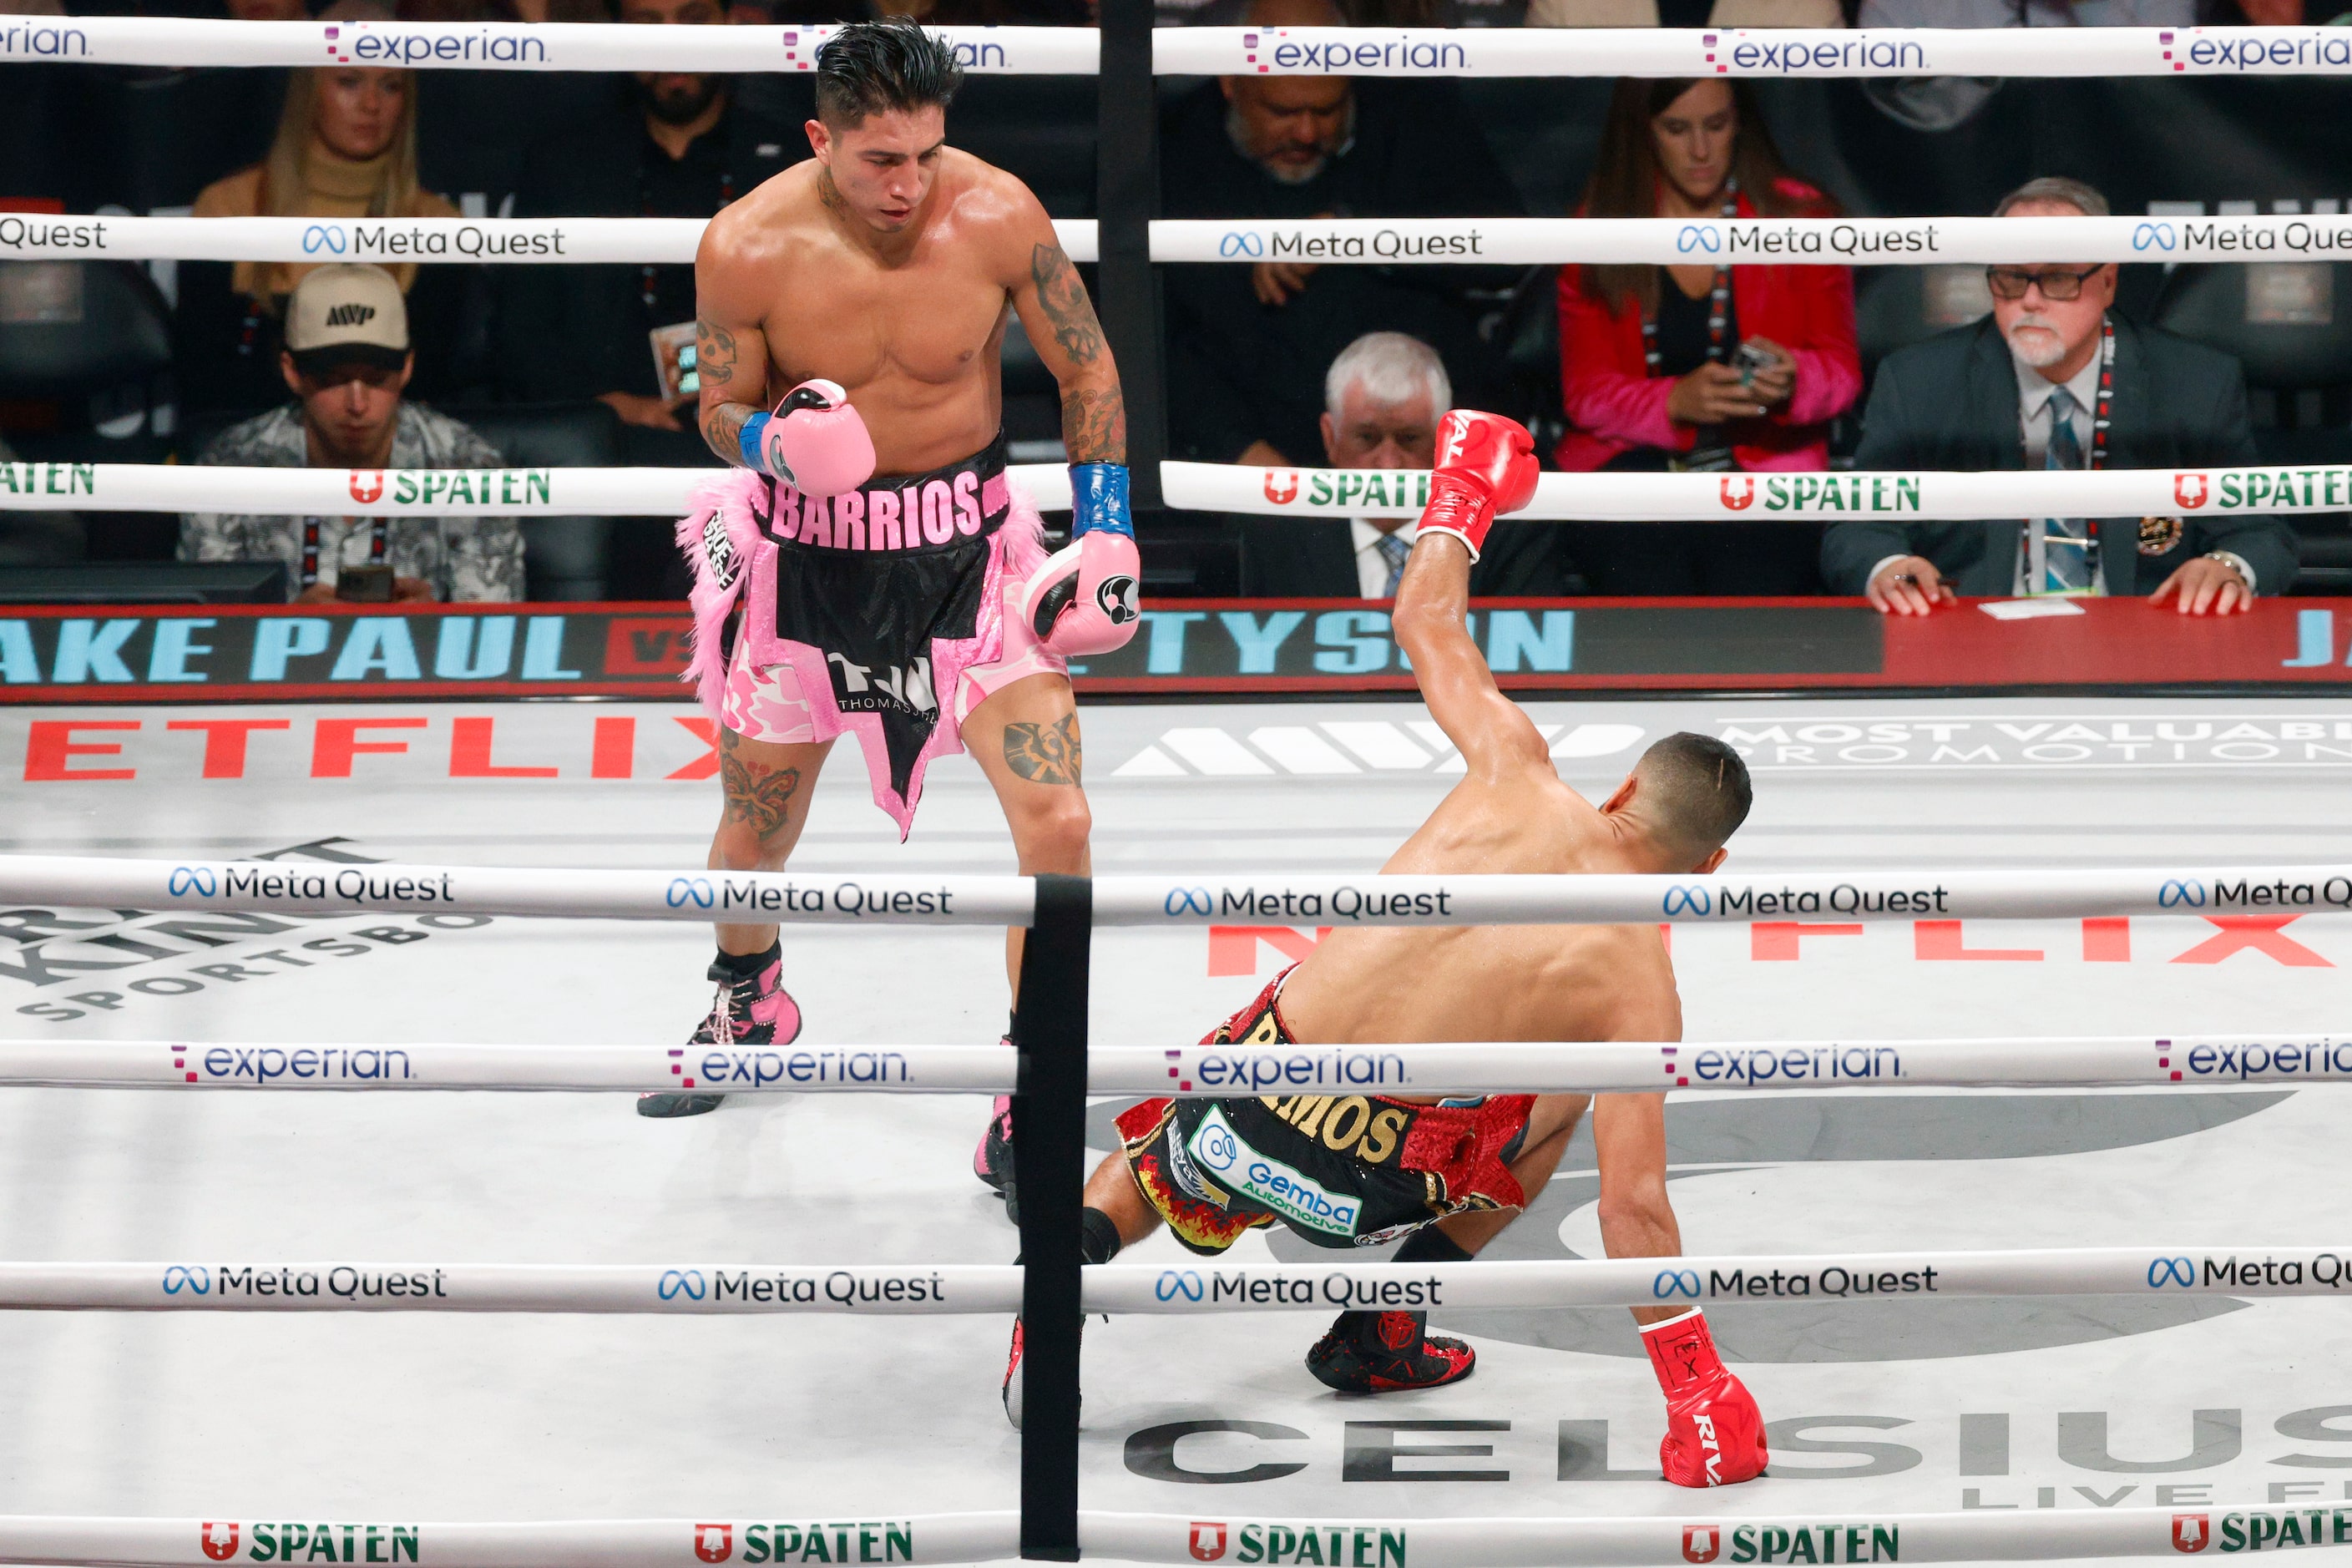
(1371, 567)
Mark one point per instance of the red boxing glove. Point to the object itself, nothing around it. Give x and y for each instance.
(1715, 1434)
(1486, 466)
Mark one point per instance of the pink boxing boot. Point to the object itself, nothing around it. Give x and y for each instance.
(752, 1009)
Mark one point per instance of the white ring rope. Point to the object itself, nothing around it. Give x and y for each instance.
(1211, 51)
(1470, 1068)
(397, 492)
(1845, 242)
(775, 1537)
(506, 45)
(903, 898)
(1215, 487)
(385, 241)
(1185, 1539)
(1726, 1538)
(691, 1288)
(1496, 241)
(703, 1289)
(1752, 497)
(644, 1069)
(1193, 1287)
(1751, 52)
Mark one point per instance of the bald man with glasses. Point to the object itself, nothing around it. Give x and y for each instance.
(2053, 379)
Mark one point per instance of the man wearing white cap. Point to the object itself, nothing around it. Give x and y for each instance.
(347, 359)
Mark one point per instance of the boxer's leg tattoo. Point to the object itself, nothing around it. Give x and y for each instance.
(1064, 300)
(1045, 753)
(758, 795)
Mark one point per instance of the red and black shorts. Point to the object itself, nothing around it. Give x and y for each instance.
(1352, 1169)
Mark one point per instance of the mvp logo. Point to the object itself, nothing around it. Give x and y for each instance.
(714, 1543)
(218, 1547)
(1208, 1542)
(350, 315)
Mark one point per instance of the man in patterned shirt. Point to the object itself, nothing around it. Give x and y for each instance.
(347, 359)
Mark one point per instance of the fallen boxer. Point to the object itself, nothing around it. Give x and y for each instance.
(1447, 1176)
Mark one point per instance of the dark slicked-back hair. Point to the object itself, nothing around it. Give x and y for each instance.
(874, 67)
(1700, 788)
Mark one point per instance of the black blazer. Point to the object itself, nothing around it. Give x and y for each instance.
(1950, 403)
(1285, 560)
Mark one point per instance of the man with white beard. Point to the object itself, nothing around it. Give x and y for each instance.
(2052, 379)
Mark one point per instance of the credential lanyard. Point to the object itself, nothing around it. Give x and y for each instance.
(1718, 312)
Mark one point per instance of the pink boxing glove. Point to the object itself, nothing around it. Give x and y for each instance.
(1087, 596)
(1485, 466)
(815, 441)
(1715, 1434)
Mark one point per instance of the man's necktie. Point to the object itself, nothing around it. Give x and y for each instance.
(1395, 552)
(2066, 566)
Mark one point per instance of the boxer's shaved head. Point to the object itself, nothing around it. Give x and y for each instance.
(1697, 788)
(877, 68)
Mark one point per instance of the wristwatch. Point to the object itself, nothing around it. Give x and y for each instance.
(2237, 568)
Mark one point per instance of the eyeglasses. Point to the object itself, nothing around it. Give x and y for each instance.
(2012, 282)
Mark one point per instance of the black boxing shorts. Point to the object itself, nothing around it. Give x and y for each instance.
(1351, 1170)
(880, 612)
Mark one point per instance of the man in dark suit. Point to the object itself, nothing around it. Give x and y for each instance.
(1382, 398)
(2021, 389)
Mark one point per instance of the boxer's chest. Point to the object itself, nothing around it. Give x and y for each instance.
(930, 322)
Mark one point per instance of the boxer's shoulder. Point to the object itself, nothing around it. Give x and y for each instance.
(780, 215)
(991, 211)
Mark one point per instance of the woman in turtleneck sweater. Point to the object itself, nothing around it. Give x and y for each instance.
(346, 148)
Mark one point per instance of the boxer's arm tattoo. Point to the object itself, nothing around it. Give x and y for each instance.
(714, 353)
(723, 430)
(1064, 300)
(1045, 753)
(757, 795)
(1093, 425)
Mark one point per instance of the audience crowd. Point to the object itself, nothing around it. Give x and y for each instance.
(1282, 364)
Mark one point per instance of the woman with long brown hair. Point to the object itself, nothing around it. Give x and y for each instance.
(345, 149)
(1707, 368)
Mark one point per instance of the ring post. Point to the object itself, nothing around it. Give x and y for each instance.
(1049, 1171)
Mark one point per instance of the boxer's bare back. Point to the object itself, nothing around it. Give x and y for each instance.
(1512, 813)
(888, 264)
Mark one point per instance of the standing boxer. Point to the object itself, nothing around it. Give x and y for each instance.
(870, 568)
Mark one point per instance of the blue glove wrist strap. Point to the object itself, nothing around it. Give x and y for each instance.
(1099, 498)
(749, 442)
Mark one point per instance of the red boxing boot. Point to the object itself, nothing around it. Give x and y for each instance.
(1715, 1434)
